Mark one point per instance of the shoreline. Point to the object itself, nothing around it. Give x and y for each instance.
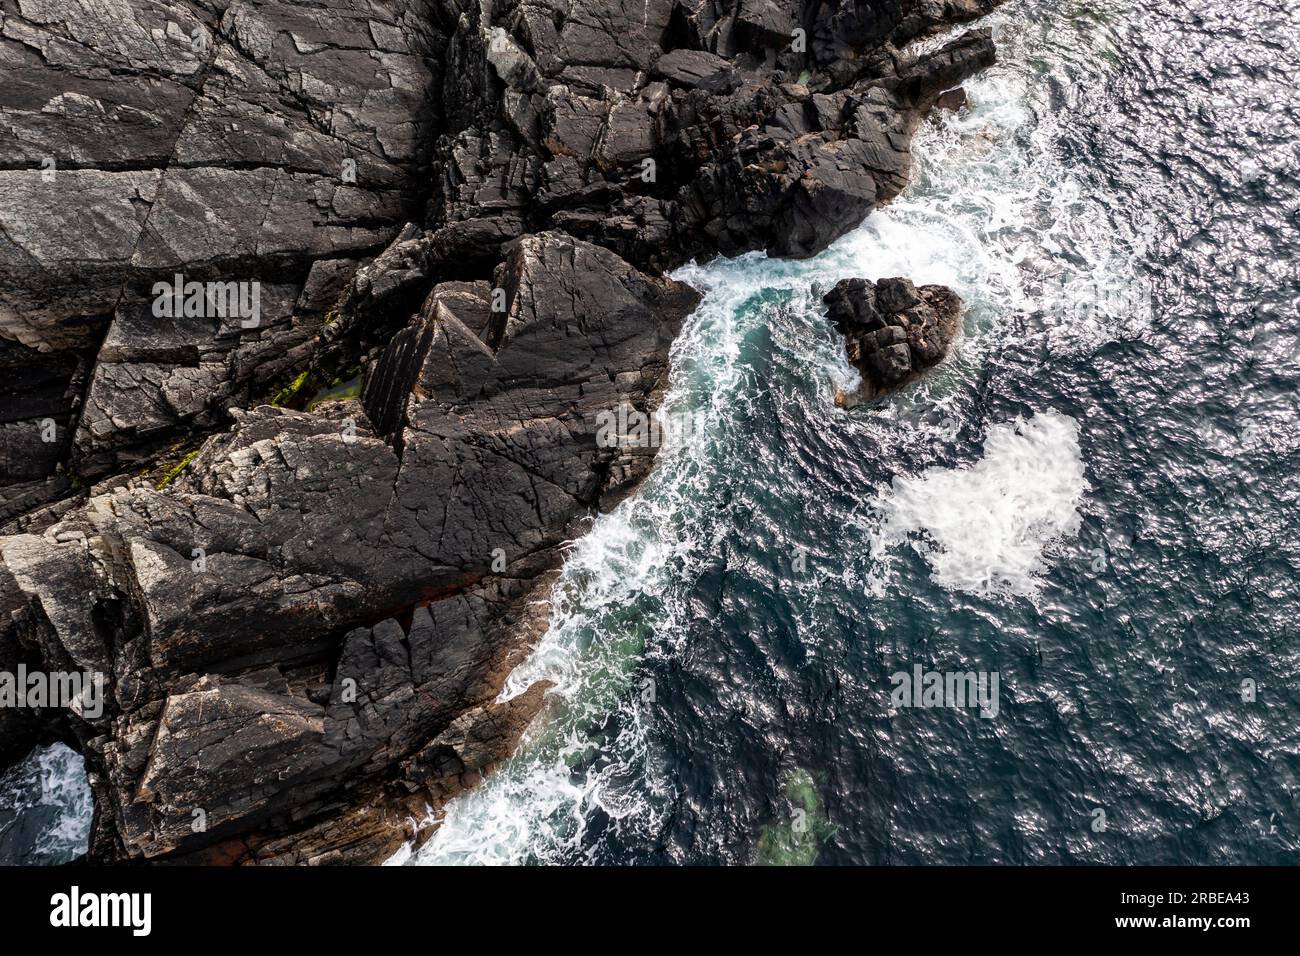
(318, 576)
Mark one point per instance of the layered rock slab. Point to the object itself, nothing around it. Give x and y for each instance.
(140, 139)
(315, 600)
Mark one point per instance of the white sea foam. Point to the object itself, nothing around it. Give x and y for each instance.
(536, 806)
(51, 780)
(984, 527)
(990, 210)
(622, 596)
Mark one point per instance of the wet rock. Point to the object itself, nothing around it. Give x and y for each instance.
(952, 100)
(475, 741)
(893, 330)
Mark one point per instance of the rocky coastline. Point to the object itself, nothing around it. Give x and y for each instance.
(306, 538)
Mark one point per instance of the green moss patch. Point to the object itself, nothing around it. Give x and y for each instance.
(290, 392)
(796, 842)
(172, 473)
(340, 390)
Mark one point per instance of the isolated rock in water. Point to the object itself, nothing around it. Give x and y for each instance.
(893, 330)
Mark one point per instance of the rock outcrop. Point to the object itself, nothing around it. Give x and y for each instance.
(892, 329)
(305, 535)
(236, 611)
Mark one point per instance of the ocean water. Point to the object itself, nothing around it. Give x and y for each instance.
(45, 808)
(1095, 498)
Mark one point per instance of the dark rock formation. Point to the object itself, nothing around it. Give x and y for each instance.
(952, 100)
(305, 609)
(893, 330)
(260, 141)
(216, 606)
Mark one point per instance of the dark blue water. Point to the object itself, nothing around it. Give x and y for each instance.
(1096, 498)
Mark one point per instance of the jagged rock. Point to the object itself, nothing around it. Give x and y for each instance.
(952, 100)
(697, 69)
(20, 728)
(139, 141)
(459, 756)
(293, 529)
(893, 330)
(515, 67)
(761, 24)
(739, 162)
(614, 33)
(579, 332)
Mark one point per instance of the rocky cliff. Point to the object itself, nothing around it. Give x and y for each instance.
(307, 314)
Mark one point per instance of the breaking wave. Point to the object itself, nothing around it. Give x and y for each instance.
(989, 212)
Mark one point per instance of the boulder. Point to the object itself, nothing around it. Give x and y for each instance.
(893, 330)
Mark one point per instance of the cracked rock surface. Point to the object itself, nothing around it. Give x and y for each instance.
(306, 546)
(892, 329)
